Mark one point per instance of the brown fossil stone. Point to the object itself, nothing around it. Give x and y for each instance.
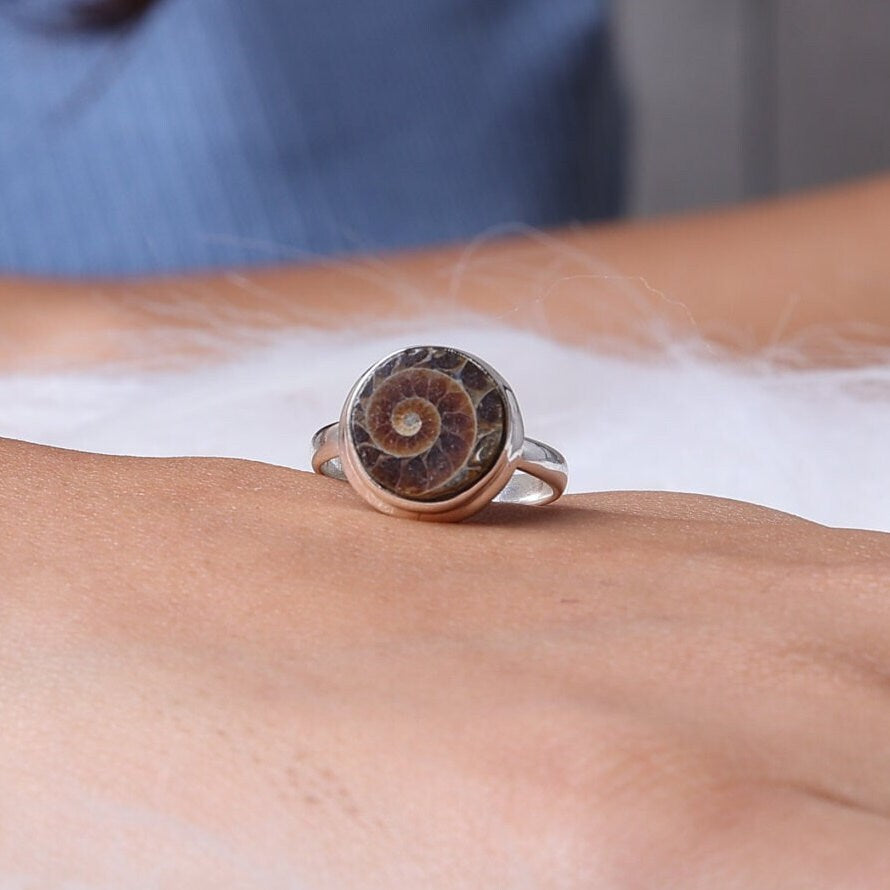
(428, 424)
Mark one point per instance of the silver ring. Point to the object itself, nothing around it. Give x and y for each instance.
(434, 433)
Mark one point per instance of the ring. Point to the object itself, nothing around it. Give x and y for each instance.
(434, 433)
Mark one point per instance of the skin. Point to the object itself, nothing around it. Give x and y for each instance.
(796, 273)
(218, 673)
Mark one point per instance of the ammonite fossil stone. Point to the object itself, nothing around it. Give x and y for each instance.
(428, 423)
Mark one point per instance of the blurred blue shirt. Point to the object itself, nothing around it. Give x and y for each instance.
(227, 133)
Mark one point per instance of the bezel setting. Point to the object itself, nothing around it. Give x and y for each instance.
(453, 507)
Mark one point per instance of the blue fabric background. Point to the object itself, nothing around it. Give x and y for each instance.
(240, 132)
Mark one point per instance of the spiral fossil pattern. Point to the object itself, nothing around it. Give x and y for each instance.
(428, 424)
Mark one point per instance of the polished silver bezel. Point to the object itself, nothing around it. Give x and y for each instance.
(458, 506)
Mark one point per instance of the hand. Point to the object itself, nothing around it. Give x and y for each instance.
(222, 674)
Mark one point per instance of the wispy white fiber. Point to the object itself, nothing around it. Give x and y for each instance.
(811, 442)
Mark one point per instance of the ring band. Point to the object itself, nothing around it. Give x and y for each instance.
(434, 433)
(540, 476)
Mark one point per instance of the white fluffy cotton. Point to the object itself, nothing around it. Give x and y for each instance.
(811, 442)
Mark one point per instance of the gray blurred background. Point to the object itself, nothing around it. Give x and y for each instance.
(733, 99)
